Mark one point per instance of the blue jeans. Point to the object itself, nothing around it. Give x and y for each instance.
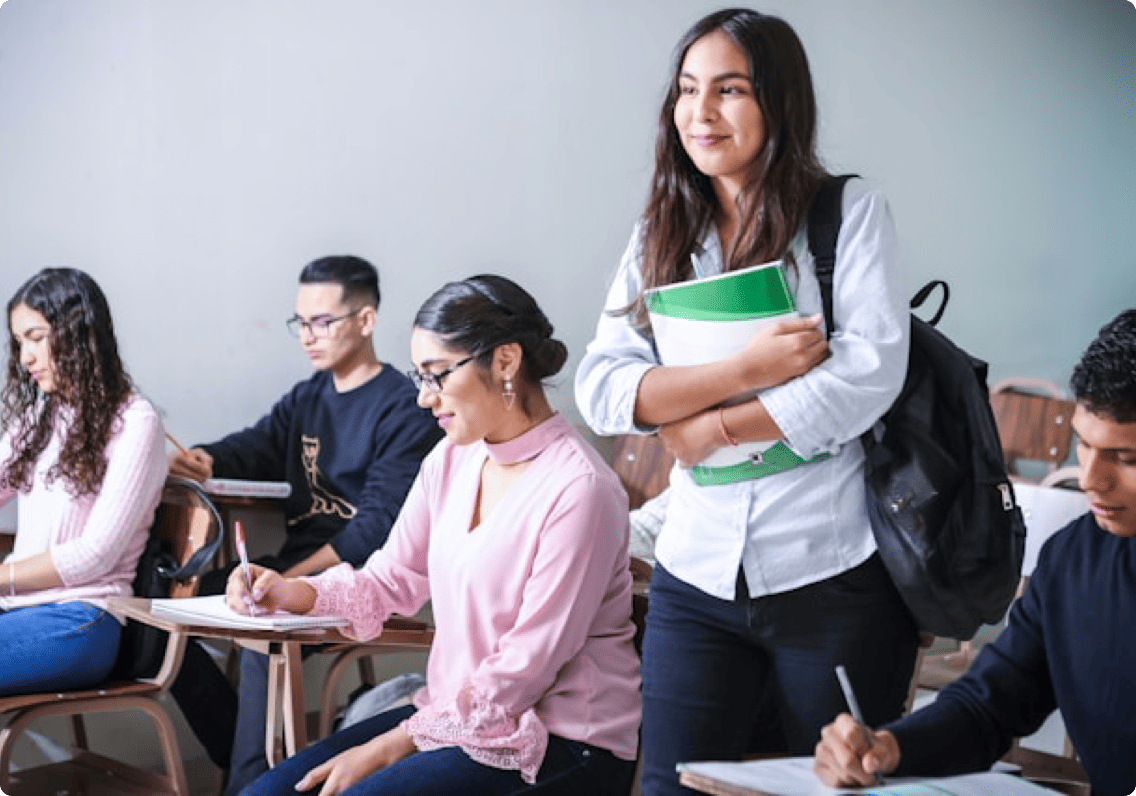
(56, 647)
(570, 768)
(725, 677)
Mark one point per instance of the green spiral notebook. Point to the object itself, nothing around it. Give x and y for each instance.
(711, 319)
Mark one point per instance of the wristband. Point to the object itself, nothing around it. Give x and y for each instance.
(730, 439)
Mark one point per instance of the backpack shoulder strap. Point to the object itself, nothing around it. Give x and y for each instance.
(825, 216)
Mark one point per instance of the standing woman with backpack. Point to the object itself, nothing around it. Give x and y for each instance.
(84, 456)
(762, 586)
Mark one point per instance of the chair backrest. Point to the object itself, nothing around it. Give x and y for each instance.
(187, 520)
(643, 464)
(1033, 420)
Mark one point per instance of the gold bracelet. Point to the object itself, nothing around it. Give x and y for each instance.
(726, 435)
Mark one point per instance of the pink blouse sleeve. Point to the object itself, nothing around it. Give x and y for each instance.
(492, 717)
(394, 579)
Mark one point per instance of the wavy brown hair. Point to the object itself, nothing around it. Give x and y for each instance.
(89, 381)
(786, 174)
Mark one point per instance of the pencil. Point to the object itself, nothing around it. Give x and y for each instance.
(854, 706)
(177, 444)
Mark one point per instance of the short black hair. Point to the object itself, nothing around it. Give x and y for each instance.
(1104, 381)
(358, 278)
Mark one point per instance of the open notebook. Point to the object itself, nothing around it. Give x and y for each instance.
(212, 611)
(793, 776)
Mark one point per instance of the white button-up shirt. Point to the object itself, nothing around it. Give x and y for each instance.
(805, 524)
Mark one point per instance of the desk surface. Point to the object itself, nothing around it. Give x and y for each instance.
(396, 630)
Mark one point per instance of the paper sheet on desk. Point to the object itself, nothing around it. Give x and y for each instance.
(794, 776)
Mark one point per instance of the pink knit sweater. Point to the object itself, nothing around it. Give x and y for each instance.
(95, 540)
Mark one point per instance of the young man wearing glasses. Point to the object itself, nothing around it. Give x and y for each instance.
(349, 440)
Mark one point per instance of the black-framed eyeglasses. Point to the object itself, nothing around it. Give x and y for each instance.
(316, 328)
(433, 381)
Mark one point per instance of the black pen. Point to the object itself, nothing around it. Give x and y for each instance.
(854, 706)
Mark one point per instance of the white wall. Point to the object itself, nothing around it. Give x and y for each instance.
(194, 155)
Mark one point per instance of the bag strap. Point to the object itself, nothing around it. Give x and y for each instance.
(200, 560)
(824, 219)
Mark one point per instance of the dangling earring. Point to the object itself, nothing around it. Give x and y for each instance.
(510, 394)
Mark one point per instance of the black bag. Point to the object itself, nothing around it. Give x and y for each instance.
(142, 647)
(941, 506)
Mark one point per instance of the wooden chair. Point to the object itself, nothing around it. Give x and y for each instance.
(188, 521)
(643, 464)
(1033, 418)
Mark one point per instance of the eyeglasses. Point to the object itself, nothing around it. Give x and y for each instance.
(317, 328)
(433, 381)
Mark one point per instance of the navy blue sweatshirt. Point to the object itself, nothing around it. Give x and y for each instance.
(1070, 643)
(350, 458)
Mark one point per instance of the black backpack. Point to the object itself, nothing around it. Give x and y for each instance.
(142, 647)
(941, 505)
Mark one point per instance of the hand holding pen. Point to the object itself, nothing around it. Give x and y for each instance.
(242, 552)
(849, 753)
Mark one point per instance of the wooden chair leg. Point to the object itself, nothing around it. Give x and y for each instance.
(78, 732)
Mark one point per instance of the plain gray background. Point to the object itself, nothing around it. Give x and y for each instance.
(192, 156)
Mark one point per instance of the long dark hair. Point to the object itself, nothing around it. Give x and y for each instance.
(482, 312)
(89, 380)
(681, 203)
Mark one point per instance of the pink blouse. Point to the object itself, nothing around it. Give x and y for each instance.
(532, 607)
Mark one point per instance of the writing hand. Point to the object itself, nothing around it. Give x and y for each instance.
(844, 758)
(194, 464)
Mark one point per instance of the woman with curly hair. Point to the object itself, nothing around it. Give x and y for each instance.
(84, 456)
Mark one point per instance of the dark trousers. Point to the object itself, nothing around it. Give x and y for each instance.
(248, 760)
(570, 768)
(725, 677)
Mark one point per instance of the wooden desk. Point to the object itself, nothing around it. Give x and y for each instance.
(285, 675)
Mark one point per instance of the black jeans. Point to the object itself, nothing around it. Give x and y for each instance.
(725, 677)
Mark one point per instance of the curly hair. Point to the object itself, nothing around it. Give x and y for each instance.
(91, 385)
(1104, 381)
(787, 174)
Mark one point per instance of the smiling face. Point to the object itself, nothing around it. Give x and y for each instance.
(468, 408)
(348, 329)
(1106, 452)
(32, 334)
(716, 113)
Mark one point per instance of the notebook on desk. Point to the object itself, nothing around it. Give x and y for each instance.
(212, 611)
(794, 776)
(235, 487)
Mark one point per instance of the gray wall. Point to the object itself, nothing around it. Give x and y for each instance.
(194, 155)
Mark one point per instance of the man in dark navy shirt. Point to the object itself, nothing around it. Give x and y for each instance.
(349, 440)
(1070, 641)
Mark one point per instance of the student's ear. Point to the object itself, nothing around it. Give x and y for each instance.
(368, 317)
(507, 360)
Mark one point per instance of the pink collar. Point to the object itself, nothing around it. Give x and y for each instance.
(530, 444)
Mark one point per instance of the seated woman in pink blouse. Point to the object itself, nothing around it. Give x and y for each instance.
(84, 456)
(517, 531)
